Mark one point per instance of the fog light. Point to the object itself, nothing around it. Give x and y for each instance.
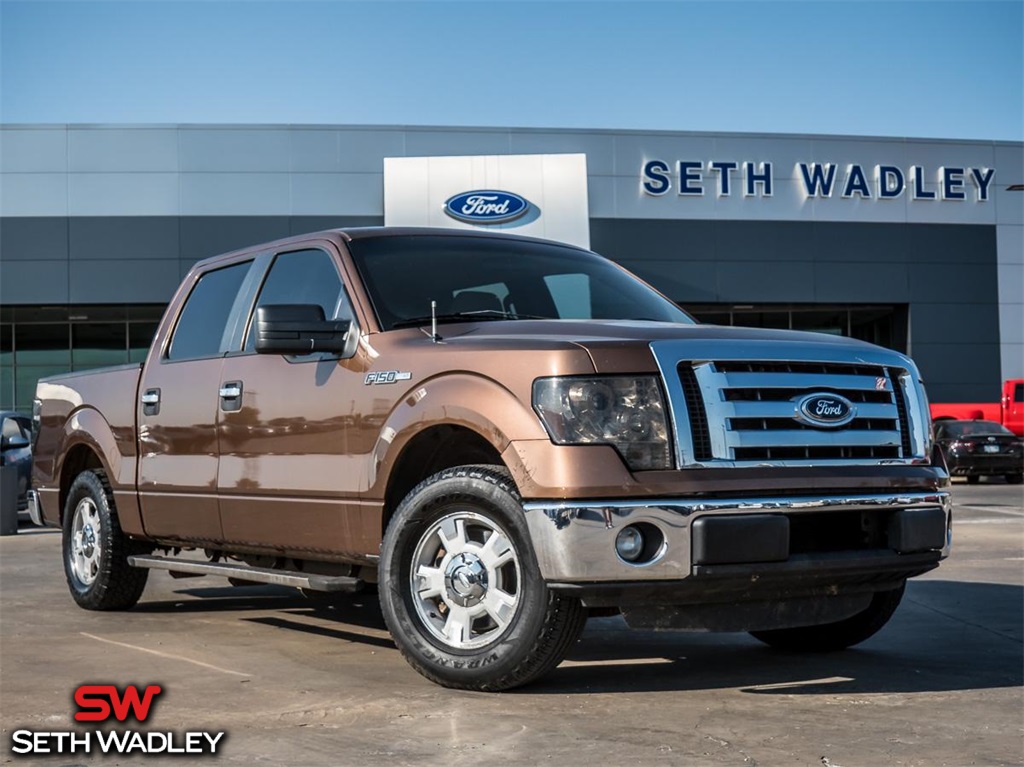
(629, 543)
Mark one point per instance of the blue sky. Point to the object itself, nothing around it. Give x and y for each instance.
(943, 69)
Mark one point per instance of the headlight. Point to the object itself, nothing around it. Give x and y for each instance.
(627, 413)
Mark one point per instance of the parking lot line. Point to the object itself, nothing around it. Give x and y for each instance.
(165, 655)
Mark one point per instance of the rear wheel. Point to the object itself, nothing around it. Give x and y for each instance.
(839, 635)
(96, 551)
(973, 479)
(460, 588)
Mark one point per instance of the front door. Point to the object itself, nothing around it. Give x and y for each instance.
(288, 477)
(177, 412)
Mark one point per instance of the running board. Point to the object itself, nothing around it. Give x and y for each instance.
(294, 578)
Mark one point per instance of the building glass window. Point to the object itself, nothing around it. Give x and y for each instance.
(39, 341)
(882, 325)
(6, 366)
(99, 344)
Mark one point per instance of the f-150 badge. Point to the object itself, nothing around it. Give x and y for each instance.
(386, 377)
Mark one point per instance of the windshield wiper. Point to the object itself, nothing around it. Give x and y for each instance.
(477, 314)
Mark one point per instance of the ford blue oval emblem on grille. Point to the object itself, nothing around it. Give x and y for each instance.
(826, 411)
(486, 206)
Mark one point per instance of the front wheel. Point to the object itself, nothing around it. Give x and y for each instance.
(1015, 479)
(973, 479)
(460, 588)
(96, 550)
(839, 635)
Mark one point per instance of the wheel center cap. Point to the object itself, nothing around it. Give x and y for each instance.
(88, 540)
(465, 579)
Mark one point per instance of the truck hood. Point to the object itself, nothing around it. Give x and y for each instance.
(624, 345)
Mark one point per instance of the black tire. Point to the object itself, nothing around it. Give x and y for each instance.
(830, 637)
(543, 625)
(1014, 479)
(111, 583)
(973, 479)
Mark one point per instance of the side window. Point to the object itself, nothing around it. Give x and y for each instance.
(201, 325)
(302, 277)
(1018, 393)
(12, 429)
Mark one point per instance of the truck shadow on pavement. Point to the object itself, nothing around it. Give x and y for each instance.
(946, 636)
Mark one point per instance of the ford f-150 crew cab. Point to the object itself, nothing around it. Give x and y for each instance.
(504, 435)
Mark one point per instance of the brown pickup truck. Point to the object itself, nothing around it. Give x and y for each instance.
(504, 435)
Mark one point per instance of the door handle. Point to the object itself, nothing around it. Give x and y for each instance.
(231, 396)
(231, 391)
(150, 402)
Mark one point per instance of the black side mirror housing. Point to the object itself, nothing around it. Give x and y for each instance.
(14, 443)
(298, 329)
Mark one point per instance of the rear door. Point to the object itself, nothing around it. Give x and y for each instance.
(290, 469)
(177, 409)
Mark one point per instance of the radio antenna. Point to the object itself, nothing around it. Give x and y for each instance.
(433, 321)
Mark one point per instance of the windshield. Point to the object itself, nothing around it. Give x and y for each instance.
(480, 278)
(972, 428)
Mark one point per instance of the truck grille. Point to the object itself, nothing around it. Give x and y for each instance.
(745, 411)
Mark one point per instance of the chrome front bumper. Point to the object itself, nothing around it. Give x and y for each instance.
(575, 540)
(35, 511)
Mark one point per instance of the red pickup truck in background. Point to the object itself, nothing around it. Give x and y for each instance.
(1009, 411)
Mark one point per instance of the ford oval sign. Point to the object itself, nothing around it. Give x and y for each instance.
(486, 206)
(826, 411)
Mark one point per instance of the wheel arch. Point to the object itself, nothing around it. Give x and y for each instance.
(436, 448)
(78, 458)
(451, 420)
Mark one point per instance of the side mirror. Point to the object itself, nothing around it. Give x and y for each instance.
(298, 329)
(14, 443)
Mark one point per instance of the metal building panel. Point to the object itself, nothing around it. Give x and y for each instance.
(1012, 360)
(205, 236)
(842, 283)
(420, 143)
(103, 282)
(836, 208)
(351, 194)
(363, 151)
(33, 150)
(601, 196)
(109, 150)
(314, 151)
(123, 194)
(598, 147)
(1010, 244)
(1011, 323)
(235, 194)
(1011, 283)
(34, 282)
(234, 149)
(782, 153)
(33, 194)
(123, 237)
(33, 238)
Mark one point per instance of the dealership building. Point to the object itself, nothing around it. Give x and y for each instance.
(913, 244)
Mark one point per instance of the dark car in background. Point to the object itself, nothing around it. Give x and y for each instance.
(16, 450)
(976, 449)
